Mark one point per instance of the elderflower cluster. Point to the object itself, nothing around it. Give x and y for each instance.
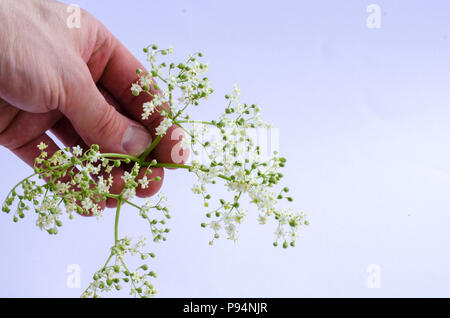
(157, 226)
(114, 276)
(176, 85)
(235, 157)
(79, 181)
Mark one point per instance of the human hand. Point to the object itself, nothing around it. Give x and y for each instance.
(72, 82)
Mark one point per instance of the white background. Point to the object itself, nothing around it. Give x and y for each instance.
(364, 122)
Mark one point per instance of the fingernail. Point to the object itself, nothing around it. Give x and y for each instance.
(136, 140)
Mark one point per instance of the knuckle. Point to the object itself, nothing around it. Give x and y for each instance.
(107, 124)
(13, 141)
(7, 115)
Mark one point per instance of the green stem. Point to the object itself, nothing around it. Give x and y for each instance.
(150, 149)
(196, 122)
(116, 222)
(180, 166)
(107, 261)
(19, 183)
(120, 156)
(132, 204)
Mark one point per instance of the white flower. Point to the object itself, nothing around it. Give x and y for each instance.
(42, 146)
(151, 57)
(144, 182)
(196, 189)
(186, 142)
(95, 156)
(127, 177)
(165, 124)
(262, 219)
(77, 151)
(129, 193)
(62, 187)
(136, 89)
(215, 226)
(236, 93)
(103, 185)
(87, 204)
(172, 80)
(149, 108)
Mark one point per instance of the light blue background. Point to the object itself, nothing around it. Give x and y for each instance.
(364, 121)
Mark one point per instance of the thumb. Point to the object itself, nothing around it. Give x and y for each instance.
(98, 122)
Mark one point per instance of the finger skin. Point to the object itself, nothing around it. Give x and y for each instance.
(25, 127)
